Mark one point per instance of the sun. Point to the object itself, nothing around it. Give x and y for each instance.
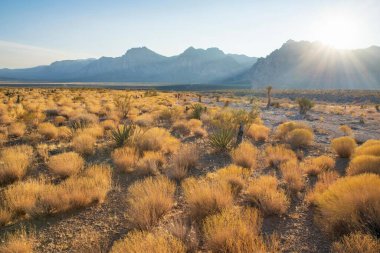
(338, 30)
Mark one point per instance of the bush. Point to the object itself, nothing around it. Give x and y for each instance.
(347, 131)
(357, 243)
(197, 110)
(185, 158)
(141, 241)
(275, 155)
(299, 138)
(305, 105)
(370, 147)
(364, 164)
(258, 132)
(350, 204)
(125, 159)
(181, 128)
(15, 161)
(344, 146)
(48, 130)
(16, 129)
(18, 242)
(157, 139)
(245, 155)
(66, 164)
(285, 128)
(314, 166)
(150, 163)
(206, 197)
(222, 139)
(325, 179)
(236, 177)
(149, 200)
(122, 134)
(293, 175)
(264, 193)
(84, 144)
(235, 230)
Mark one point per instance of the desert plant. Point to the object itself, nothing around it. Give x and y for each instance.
(121, 134)
(364, 164)
(150, 163)
(16, 129)
(357, 243)
(148, 200)
(185, 158)
(18, 242)
(264, 193)
(269, 90)
(197, 110)
(284, 129)
(14, 163)
(347, 131)
(344, 146)
(123, 104)
(84, 144)
(298, 138)
(65, 164)
(236, 177)
(141, 241)
(259, 133)
(305, 105)
(125, 158)
(48, 130)
(245, 155)
(325, 179)
(370, 147)
(242, 118)
(157, 139)
(292, 173)
(275, 155)
(221, 140)
(350, 204)
(315, 165)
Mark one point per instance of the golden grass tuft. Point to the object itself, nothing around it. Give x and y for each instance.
(182, 160)
(84, 144)
(292, 173)
(314, 166)
(370, 147)
(364, 164)
(275, 155)
(325, 179)
(14, 163)
(259, 133)
(16, 129)
(344, 146)
(350, 204)
(264, 193)
(65, 164)
(142, 241)
(300, 138)
(157, 139)
(150, 163)
(125, 159)
(149, 200)
(346, 130)
(205, 197)
(236, 177)
(18, 242)
(284, 129)
(245, 155)
(357, 243)
(48, 130)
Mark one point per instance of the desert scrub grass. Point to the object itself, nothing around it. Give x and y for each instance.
(259, 133)
(292, 173)
(300, 138)
(236, 177)
(275, 155)
(350, 204)
(185, 158)
(356, 243)
(346, 130)
(344, 146)
(108, 124)
(14, 162)
(16, 129)
(364, 164)
(19, 241)
(181, 128)
(150, 163)
(236, 230)
(284, 129)
(157, 139)
(64, 132)
(84, 144)
(149, 200)
(122, 134)
(245, 155)
(264, 193)
(315, 165)
(325, 179)
(142, 241)
(125, 158)
(205, 197)
(222, 139)
(370, 147)
(65, 164)
(48, 130)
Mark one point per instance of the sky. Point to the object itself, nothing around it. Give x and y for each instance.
(39, 32)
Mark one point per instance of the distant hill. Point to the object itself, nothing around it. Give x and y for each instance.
(141, 65)
(312, 65)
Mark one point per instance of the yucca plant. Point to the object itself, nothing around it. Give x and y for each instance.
(222, 139)
(122, 134)
(198, 109)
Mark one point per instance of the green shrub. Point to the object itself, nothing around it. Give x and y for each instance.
(122, 134)
(222, 139)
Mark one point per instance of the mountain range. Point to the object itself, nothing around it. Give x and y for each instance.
(305, 65)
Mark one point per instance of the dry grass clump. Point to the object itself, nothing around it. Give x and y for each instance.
(144, 120)
(325, 179)
(245, 155)
(125, 158)
(16, 129)
(65, 164)
(108, 124)
(182, 160)
(350, 204)
(206, 197)
(150, 163)
(364, 164)
(18, 242)
(94, 130)
(347, 131)
(370, 147)
(284, 129)
(149, 200)
(357, 243)
(142, 241)
(275, 155)
(181, 127)
(258, 132)
(48, 130)
(200, 132)
(344, 146)
(299, 138)
(264, 193)
(157, 139)
(64, 132)
(84, 144)
(235, 230)
(292, 173)
(314, 166)
(14, 162)
(236, 177)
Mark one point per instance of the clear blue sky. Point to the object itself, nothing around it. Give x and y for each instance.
(41, 31)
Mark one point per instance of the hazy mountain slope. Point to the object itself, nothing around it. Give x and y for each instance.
(316, 66)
